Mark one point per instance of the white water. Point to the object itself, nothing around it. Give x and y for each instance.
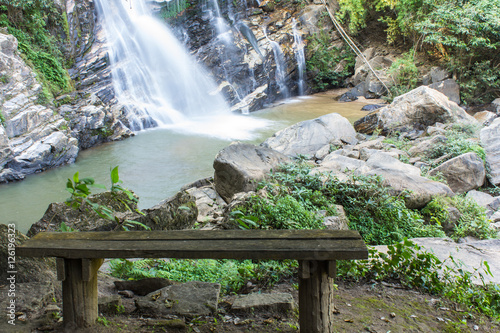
(301, 58)
(158, 81)
(280, 74)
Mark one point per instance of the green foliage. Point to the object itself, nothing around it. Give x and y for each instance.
(2, 118)
(292, 201)
(174, 8)
(293, 197)
(404, 73)
(323, 60)
(464, 34)
(460, 140)
(472, 221)
(30, 21)
(407, 263)
(80, 190)
(379, 217)
(231, 274)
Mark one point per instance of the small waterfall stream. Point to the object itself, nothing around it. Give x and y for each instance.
(301, 58)
(280, 74)
(152, 73)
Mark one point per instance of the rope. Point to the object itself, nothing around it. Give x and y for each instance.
(352, 45)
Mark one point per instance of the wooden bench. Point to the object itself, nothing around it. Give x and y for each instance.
(80, 254)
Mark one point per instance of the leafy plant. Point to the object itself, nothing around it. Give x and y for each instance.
(30, 21)
(80, 192)
(407, 263)
(328, 65)
(404, 73)
(231, 274)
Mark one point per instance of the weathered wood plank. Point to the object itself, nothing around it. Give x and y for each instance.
(300, 249)
(200, 235)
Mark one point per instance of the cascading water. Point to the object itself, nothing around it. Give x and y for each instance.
(280, 74)
(152, 74)
(301, 59)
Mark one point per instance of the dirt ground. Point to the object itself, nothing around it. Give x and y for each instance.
(375, 308)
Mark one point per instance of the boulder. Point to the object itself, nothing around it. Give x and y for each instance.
(187, 299)
(176, 213)
(29, 269)
(490, 140)
(275, 302)
(31, 300)
(400, 177)
(462, 173)
(481, 198)
(427, 146)
(485, 117)
(415, 110)
(396, 175)
(143, 287)
(307, 137)
(240, 166)
(448, 87)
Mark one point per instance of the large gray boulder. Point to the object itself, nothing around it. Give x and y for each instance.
(490, 140)
(397, 176)
(448, 87)
(462, 173)
(417, 109)
(240, 166)
(307, 137)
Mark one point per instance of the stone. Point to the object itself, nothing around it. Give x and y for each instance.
(337, 222)
(83, 219)
(31, 298)
(322, 152)
(448, 87)
(481, 198)
(186, 299)
(110, 305)
(143, 287)
(396, 175)
(175, 213)
(208, 202)
(275, 302)
(240, 166)
(438, 74)
(490, 140)
(307, 137)
(415, 110)
(485, 118)
(29, 269)
(462, 173)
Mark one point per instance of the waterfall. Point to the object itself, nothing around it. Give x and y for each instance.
(153, 75)
(280, 74)
(301, 59)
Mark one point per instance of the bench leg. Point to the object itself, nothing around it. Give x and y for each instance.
(316, 292)
(79, 288)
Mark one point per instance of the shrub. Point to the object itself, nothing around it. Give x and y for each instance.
(231, 274)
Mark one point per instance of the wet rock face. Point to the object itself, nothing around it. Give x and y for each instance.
(33, 137)
(241, 58)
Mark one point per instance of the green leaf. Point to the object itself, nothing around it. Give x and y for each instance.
(115, 178)
(76, 177)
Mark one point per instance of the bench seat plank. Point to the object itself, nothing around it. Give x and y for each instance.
(199, 244)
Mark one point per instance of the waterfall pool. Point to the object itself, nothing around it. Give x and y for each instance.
(157, 162)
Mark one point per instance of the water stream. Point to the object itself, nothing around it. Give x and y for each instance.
(301, 58)
(157, 162)
(153, 75)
